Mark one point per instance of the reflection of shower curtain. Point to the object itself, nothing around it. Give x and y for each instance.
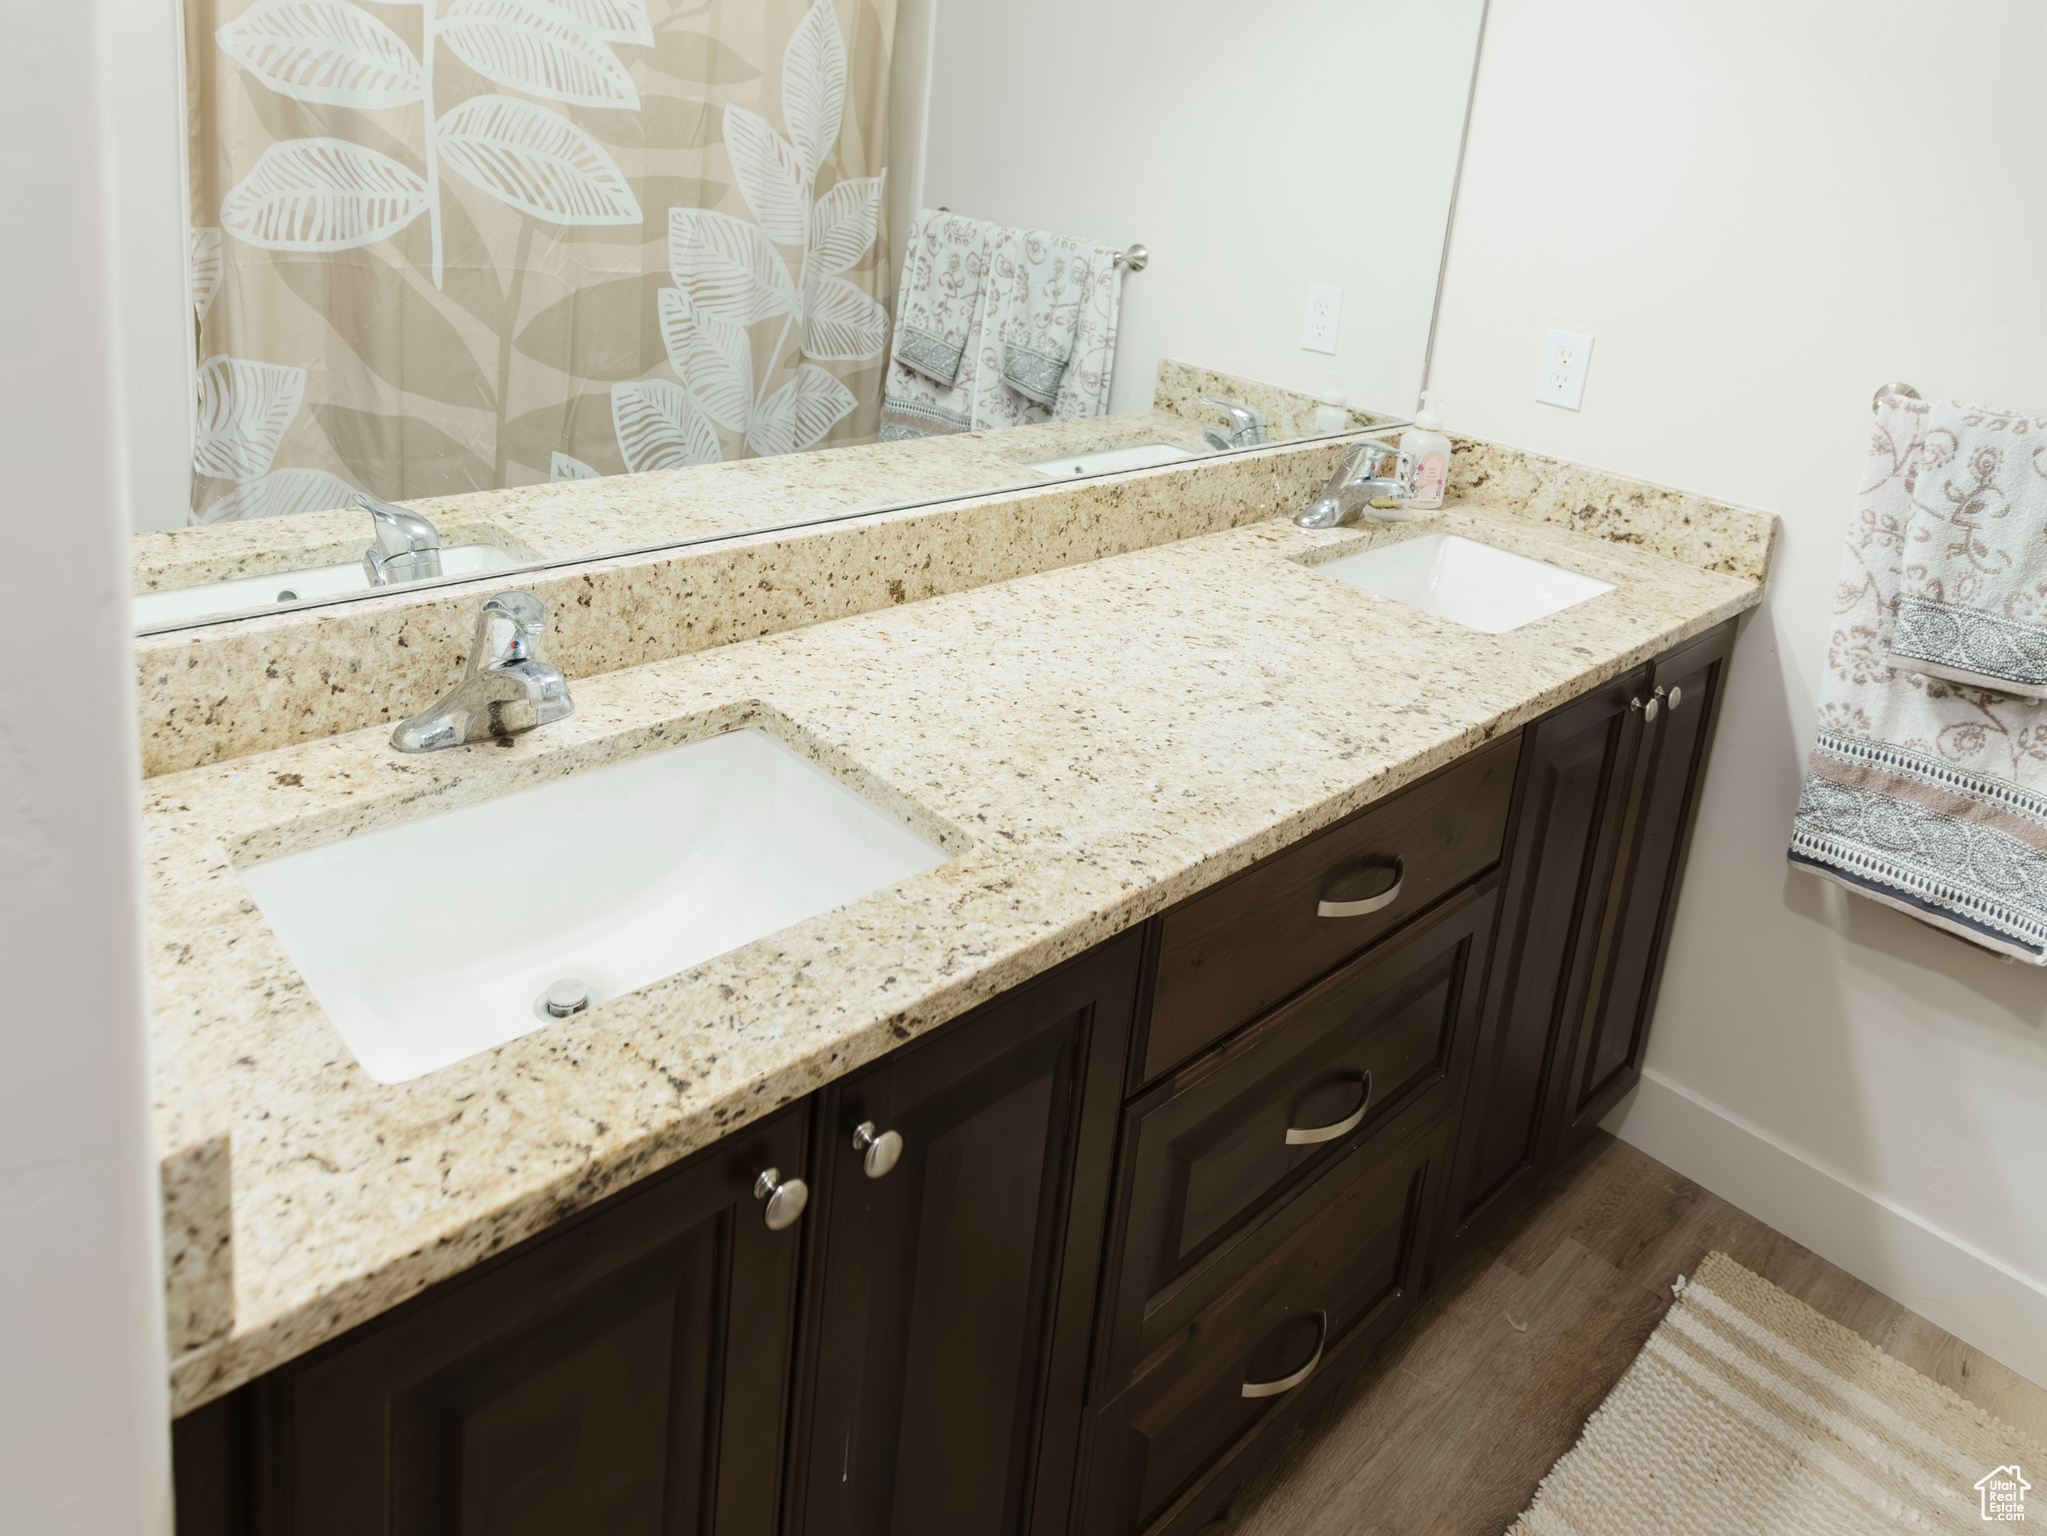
(450, 245)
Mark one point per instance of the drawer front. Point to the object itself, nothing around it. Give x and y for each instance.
(1337, 1284)
(1213, 1152)
(1231, 953)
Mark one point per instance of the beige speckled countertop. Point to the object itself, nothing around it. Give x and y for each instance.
(1095, 743)
(581, 519)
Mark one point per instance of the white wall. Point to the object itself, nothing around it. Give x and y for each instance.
(83, 1407)
(1254, 150)
(909, 103)
(1762, 212)
(146, 105)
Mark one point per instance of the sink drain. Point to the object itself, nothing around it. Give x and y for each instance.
(564, 997)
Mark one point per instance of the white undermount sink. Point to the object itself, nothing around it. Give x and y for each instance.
(434, 939)
(1113, 461)
(1462, 580)
(248, 594)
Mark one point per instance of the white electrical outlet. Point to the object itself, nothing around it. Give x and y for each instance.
(1562, 379)
(1325, 313)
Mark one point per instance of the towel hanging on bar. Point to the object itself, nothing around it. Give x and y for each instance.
(1972, 602)
(928, 388)
(1048, 280)
(1921, 793)
(1025, 322)
(1072, 385)
(939, 305)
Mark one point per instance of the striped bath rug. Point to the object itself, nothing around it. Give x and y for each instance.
(1749, 1414)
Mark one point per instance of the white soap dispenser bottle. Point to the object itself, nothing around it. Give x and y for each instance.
(1332, 409)
(1428, 447)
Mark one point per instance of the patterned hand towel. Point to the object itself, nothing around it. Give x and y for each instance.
(1972, 605)
(940, 302)
(1921, 793)
(929, 388)
(1050, 285)
(1088, 282)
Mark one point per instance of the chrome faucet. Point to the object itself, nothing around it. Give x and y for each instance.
(1247, 427)
(408, 546)
(506, 688)
(1357, 485)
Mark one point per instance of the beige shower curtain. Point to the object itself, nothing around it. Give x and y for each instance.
(451, 245)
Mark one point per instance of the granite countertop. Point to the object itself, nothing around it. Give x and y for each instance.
(575, 519)
(569, 519)
(1091, 745)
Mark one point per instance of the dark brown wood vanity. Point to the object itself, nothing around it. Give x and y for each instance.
(1135, 1217)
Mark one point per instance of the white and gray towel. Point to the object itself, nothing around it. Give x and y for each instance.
(1972, 604)
(1051, 303)
(1922, 792)
(1047, 290)
(939, 307)
(928, 388)
(1025, 321)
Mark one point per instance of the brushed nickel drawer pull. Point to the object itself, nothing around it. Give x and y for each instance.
(1288, 1383)
(1369, 904)
(1305, 1136)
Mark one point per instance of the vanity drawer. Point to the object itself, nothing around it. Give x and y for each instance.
(1346, 1273)
(1231, 953)
(1213, 1153)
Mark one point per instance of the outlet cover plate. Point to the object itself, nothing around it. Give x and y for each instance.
(1561, 380)
(1324, 315)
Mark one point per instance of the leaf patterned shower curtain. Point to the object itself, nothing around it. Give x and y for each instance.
(452, 245)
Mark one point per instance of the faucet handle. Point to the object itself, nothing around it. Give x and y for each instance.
(1242, 417)
(400, 530)
(1360, 461)
(508, 631)
(408, 547)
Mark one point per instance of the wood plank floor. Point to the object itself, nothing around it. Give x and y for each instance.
(1450, 1431)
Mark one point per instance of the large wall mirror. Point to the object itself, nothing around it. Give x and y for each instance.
(484, 285)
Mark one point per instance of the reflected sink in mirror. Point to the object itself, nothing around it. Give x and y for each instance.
(434, 939)
(1113, 461)
(1467, 582)
(252, 594)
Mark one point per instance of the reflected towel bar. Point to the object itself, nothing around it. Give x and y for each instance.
(1137, 258)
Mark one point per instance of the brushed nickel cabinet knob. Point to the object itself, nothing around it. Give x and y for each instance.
(786, 1198)
(880, 1150)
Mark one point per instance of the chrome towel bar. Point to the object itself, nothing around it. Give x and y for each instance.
(1136, 259)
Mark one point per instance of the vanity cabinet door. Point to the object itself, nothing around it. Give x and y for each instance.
(1663, 782)
(1565, 793)
(627, 1373)
(955, 1254)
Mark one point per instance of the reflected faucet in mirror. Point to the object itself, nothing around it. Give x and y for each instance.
(408, 547)
(1247, 427)
(505, 690)
(1359, 486)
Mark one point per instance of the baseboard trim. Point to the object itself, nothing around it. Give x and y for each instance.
(1972, 1294)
